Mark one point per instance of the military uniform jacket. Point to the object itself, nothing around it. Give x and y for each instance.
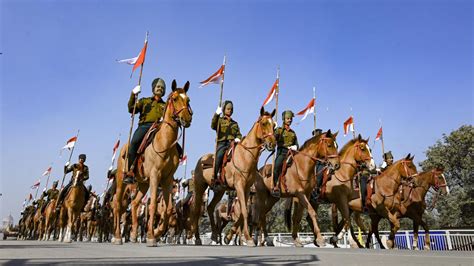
(78, 168)
(228, 128)
(190, 184)
(285, 138)
(52, 193)
(149, 108)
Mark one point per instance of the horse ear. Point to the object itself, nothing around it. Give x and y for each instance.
(359, 137)
(262, 111)
(186, 86)
(173, 85)
(273, 113)
(412, 157)
(367, 139)
(329, 134)
(335, 134)
(408, 156)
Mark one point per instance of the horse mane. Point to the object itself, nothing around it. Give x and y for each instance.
(309, 141)
(254, 124)
(347, 146)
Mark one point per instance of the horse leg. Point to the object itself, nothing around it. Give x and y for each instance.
(361, 226)
(210, 212)
(312, 213)
(150, 237)
(375, 229)
(233, 230)
(396, 225)
(296, 220)
(427, 234)
(117, 211)
(167, 210)
(415, 235)
(243, 198)
(142, 188)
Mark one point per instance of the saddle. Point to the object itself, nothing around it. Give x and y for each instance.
(208, 162)
(147, 140)
(370, 190)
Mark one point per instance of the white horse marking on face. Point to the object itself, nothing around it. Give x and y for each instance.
(372, 162)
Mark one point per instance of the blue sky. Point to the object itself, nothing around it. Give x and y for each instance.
(406, 63)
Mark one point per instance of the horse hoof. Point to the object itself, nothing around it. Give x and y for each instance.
(68, 241)
(321, 242)
(133, 240)
(226, 240)
(269, 241)
(214, 237)
(390, 244)
(297, 243)
(333, 240)
(250, 243)
(151, 242)
(117, 241)
(198, 242)
(426, 247)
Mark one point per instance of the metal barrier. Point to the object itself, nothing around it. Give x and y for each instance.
(462, 240)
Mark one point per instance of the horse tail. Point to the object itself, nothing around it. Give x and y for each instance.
(288, 206)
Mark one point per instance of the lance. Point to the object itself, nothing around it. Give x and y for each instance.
(381, 140)
(314, 112)
(132, 119)
(69, 160)
(47, 179)
(277, 93)
(37, 188)
(218, 124)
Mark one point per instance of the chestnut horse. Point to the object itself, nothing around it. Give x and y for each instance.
(50, 219)
(414, 204)
(299, 181)
(161, 159)
(385, 202)
(240, 174)
(71, 208)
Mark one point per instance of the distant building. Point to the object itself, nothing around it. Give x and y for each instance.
(7, 221)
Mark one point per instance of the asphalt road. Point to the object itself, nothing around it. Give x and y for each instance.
(17, 252)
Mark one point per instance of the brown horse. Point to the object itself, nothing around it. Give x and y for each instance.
(71, 208)
(171, 213)
(50, 219)
(38, 221)
(87, 218)
(414, 204)
(240, 174)
(161, 159)
(299, 181)
(386, 200)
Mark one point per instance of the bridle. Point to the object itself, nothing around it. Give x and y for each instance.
(262, 137)
(323, 140)
(176, 112)
(359, 163)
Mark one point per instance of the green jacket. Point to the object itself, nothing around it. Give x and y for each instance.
(150, 109)
(190, 184)
(228, 128)
(52, 193)
(74, 168)
(285, 138)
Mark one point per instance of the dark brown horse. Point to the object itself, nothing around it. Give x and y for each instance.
(299, 181)
(386, 200)
(413, 204)
(240, 174)
(161, 159)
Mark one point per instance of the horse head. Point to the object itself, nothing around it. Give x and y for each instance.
(265, 129)
(77, 178)
(405, 167)
(178, 105)
(439, 180)
(325, 148)
(362, 153)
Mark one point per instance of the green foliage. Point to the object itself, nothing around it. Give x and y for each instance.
(456, 153)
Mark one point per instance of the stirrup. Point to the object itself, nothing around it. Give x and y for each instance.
(129, 180)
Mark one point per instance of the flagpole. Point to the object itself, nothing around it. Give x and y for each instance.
(277, 93)
(353, 125)
(36, 194)
(132, 119)
(381, 139)
(314, 106)
(49, 174)
(70, 156)
(218, 124)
